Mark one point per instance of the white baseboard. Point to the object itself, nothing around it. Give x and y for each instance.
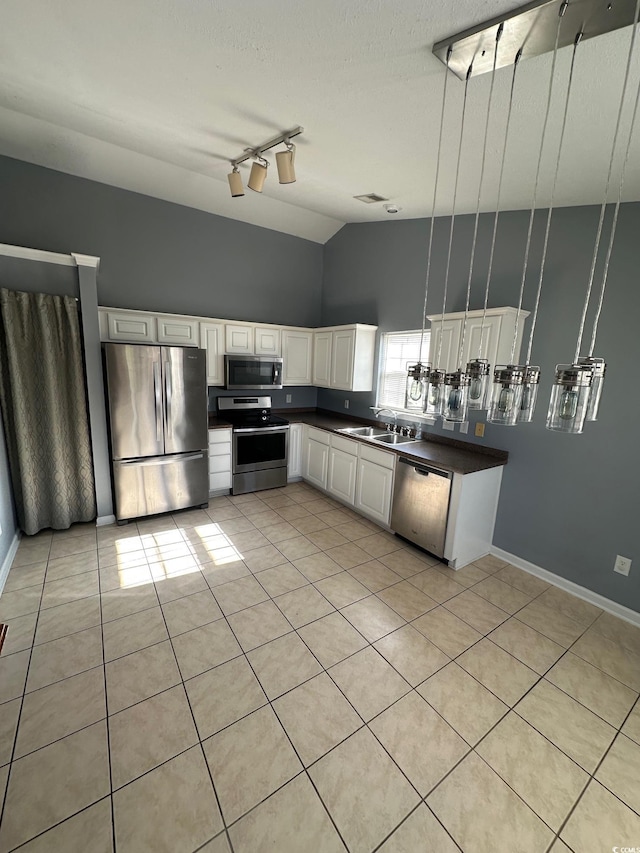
(6, 563)
(582, 592)
(103, 520)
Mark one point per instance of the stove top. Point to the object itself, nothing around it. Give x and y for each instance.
(249, 412)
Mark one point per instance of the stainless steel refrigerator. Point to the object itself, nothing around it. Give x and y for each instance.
(158, 417)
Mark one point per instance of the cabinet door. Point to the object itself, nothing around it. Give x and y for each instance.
(136, 327)
(342, 352)
(341, 475)
(373, 494)
(490, 330)
(322, 359)
(450, 331)
(296, 354)
(315, 463)
(177, 331)
(212, 340)
(239, 339)
(267, 341)
(294, 464)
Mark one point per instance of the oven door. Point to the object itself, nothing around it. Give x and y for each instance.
(244, 372)
(259, 448)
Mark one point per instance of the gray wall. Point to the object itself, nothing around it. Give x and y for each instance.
(568, 503)
(159, 256)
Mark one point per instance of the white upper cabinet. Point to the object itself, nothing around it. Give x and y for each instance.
(133, 327)
(212, 340)
(267, 340)
(178, 331)
(322, 359)
(239, 339)
(497, 330)
(343, 357)
(297, 354)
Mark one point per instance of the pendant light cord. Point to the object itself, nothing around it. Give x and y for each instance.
(499, 195)
(433, 202)
(534, 199)
(453, 209)
(603, 207)
(481, 181)
(545, 244)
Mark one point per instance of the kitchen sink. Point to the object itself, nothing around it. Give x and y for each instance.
(393, 438)
(364, 431)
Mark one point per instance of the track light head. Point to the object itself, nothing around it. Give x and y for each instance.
(258, 174)
(235, 182)
(285, 162)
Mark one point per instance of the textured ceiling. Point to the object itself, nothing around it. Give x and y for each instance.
(157, 95)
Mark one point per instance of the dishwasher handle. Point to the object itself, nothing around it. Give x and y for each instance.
(425, 470)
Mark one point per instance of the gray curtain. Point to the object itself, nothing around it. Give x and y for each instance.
(44, 408)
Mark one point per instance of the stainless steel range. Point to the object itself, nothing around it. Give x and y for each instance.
(260, 443)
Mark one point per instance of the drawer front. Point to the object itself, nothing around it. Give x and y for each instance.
(318, 435)
(346, 445)
(219, 463)
(219, 481)
(220, 449)
(380, 457)
(219, 436)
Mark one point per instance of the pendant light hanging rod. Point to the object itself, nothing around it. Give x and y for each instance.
(614, 223)
(481, 181)
(498, 198)
(534, 199)
(545, 244)
(603, 207)
(433, 207)
(453, 210)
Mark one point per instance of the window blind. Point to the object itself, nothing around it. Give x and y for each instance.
(398, 351)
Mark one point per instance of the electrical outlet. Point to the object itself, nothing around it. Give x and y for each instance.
(448, 425)
(622, 565)
(464, 427)
(346, 404)
(288, 398)
(480, 430)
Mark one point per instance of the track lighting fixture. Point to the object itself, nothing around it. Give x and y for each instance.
(235, 182)
(258, 174)
(284, 161)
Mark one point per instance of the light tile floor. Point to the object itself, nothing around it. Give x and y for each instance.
(278, 674)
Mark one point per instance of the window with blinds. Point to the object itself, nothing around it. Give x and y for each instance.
(398, 350)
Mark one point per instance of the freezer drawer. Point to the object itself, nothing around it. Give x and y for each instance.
(160, 484)
(421, 505)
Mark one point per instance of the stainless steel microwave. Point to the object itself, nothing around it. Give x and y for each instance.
(250, 372)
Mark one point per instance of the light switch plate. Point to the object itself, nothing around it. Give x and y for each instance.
(464, 427)
(448, 425)
(480, 430)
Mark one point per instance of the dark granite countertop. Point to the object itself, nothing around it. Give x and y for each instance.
(450, 454)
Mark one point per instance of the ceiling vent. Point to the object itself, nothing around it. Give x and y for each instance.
(370, 198)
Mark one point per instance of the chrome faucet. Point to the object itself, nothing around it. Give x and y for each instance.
(378, 412)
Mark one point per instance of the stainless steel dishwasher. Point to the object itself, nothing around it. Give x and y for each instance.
(421, 504)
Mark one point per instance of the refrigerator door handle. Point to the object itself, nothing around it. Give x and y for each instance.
(161, 460)
(157, 390)
(167, 393)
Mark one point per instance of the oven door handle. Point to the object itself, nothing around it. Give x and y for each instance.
(258, 430)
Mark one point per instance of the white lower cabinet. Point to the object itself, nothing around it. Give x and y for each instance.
(294, 454)
(342, 469)
(351, 471)
(315, 457)
(219, 460)
(375, 484)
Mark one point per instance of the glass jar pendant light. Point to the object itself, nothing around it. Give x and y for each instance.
(478, 370)
(569, 398)
(455, 404)
(599, 368)
(435, 393)
(506, 395)
(417, 383)
(530, 387)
